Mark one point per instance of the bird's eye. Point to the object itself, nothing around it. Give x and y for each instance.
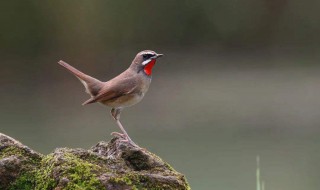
(147, 56)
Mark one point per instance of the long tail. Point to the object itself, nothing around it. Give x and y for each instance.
(92, 85)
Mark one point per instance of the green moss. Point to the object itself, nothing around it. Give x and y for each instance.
(80, 173)
(17, 151)
(11, 150)
(44, 178)
(92, 158)
(26, 181)
(29, 161)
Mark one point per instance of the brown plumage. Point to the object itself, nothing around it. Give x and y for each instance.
(124, 90)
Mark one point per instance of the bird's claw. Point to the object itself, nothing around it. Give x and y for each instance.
(120, 135)
(124, 138)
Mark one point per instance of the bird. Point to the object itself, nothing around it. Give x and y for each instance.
(124, 90)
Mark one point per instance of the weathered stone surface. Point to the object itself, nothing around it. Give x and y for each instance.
(17, 162)
(114, 165)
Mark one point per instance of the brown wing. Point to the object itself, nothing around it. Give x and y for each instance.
(114, 88)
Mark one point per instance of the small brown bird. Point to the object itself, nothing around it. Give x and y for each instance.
(124, 90)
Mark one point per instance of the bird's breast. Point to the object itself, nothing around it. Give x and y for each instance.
(131, 98)
(145, 82)
(141, 86)
(125, 100)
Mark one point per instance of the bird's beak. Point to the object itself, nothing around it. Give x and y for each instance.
(158, 55)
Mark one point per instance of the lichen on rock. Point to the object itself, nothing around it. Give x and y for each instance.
(113, 165)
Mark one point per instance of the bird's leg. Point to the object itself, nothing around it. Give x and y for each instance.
(128, 139)
(116, 115)
(115, 112)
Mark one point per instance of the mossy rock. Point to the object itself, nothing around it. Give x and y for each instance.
(113, 165)
(17, 164)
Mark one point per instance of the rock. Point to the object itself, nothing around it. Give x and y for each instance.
(113, 165)
(17, 163)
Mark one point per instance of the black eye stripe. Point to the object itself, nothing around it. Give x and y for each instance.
(147, 56)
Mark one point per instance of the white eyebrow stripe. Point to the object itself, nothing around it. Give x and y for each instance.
(146, 62)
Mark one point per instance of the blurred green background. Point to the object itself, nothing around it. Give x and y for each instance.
(240, 78)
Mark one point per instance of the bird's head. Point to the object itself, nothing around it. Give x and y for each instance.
(145, 60)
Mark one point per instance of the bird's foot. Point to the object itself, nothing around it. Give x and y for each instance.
(124, 138)
(129, 141)
(120, 135)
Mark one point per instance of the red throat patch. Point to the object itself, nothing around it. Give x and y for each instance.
(148, 68)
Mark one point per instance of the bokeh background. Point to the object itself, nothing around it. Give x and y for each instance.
(240, 78)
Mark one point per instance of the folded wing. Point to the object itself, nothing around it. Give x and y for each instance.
(113, 89)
